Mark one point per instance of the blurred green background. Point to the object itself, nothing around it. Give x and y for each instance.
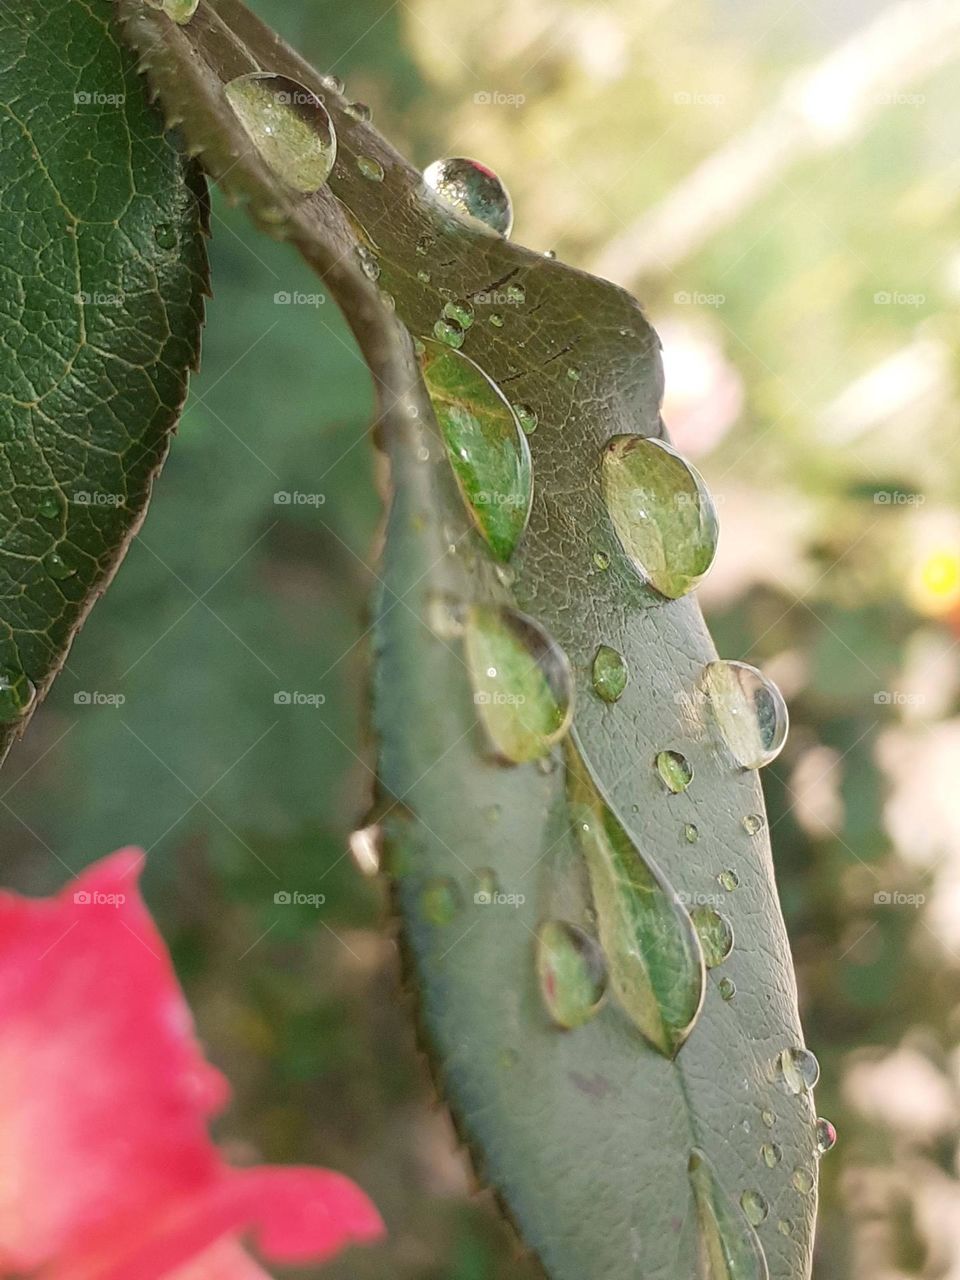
(779, 186)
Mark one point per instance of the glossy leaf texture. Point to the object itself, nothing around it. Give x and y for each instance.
(581, 1109)
(102, 277)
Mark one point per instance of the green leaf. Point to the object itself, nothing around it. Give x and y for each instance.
(574, 1109)
(103, 271)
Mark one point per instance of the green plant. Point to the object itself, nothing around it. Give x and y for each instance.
(558, 760)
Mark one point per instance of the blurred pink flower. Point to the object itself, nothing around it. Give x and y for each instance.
(107, 1171)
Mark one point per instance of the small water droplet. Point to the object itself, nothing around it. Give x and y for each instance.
(449, 333)
(803, 1181)
(165, 235)
(727, 988)
(826, 1136)
(488, 886)
(288, 125)
(366, 848)
(550, 253)
(573, 374)
(601, 560)
(769, 1118)
(358, 111)
(485, 444)
(423, 276)
(461, 312)
(369, 262)
(661, 511)
(730, 1248)
(515, 294)
(370, 168)
(522, 682)
(771, 1154)
(441, 900)
(675, 770)
(572, 973)
(334, 82)
(654, 961)
(749, 710)
(472, 191)
(424, 245)
(49, 506)
(754, 1206)
(785, 1227)
(17, 693)
(57, 567)
(728, 880)
(181, 11)
(496, 319)
(527, 418)
(799, 1070)
(716, 935)
(691, 833)
(752, 823)
(609, 673)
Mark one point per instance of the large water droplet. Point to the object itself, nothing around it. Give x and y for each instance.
(730, 1248)
(799, 1070)
(754, 1206)
(662, 512)
(461, 311)
(609, 673)
(449, 333)
(288, 125)
(522, 682)
(675, 770)
(716, 935)
(472, 191)
(17, 693)
(441, 900)
(826, 1136)
(749, 709)
(486, 446)
(654, 961)
(571, 971)
(181, 11)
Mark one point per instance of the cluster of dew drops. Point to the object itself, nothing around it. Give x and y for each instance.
(665, 523)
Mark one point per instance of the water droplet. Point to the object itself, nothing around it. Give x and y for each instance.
(752, 823)
(496, 319)
(288, 125)
(335, 83)
(728, 880)
(515, 294)
(826, 1136)
(730, 1248)
(754, 1206)
(57, 567)
(691, 833)
(369, 262)
(17, 693)
(601, 560)
(358, 111)
(424, 245)
(366, 848)
(662, 512)
(527, 418)
(727, 988)
(423, 276)
(461, 312)
(799, 1070)
(487, 449)
(771, 1154)
(165, 235)
(449, 333)
(49, 506)
(181, 11)
(769, 1118)
(522, 682)
(716, 935)
(571, 971)
(441, 900)
(653, 957)
(472, 191)
(609, 673)
(749, 709)
(803, 1181)
(675, 770)
(488, 886)
(785, 1227)
(370, 168)
(550, 253)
